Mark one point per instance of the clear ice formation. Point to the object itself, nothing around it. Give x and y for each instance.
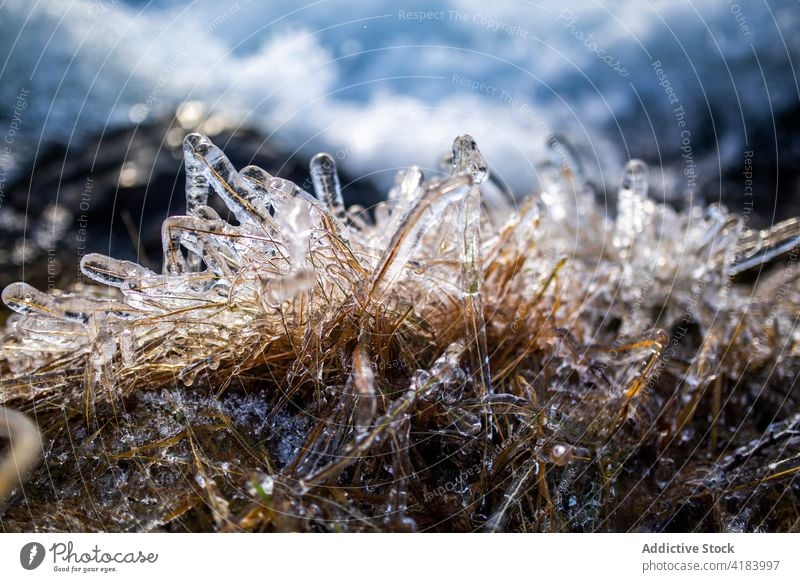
(229, 287)
(467, 292)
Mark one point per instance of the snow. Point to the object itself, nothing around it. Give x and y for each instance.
(383, 86)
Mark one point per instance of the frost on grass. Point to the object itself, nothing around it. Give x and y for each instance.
(450, 360)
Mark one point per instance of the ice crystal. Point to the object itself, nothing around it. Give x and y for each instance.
(452, 360)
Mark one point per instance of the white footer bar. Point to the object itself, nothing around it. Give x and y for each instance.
(407, 557)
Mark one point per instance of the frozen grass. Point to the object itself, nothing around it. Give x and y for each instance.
(449, 361)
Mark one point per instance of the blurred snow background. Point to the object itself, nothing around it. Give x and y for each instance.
(385, 87)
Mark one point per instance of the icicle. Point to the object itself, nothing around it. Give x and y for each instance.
(294, 218)
(295, 222)
(407, 190)
(256, 175)
(326, 183)
(54, 332)
(407, 187)
(363, 379)
(114, 272)
(26, 300)
(467, 158)
(197, 186)
(633, 206)
(419, 217)
(197, 190)
(259, 181)
(239, 197)
(282, 189)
